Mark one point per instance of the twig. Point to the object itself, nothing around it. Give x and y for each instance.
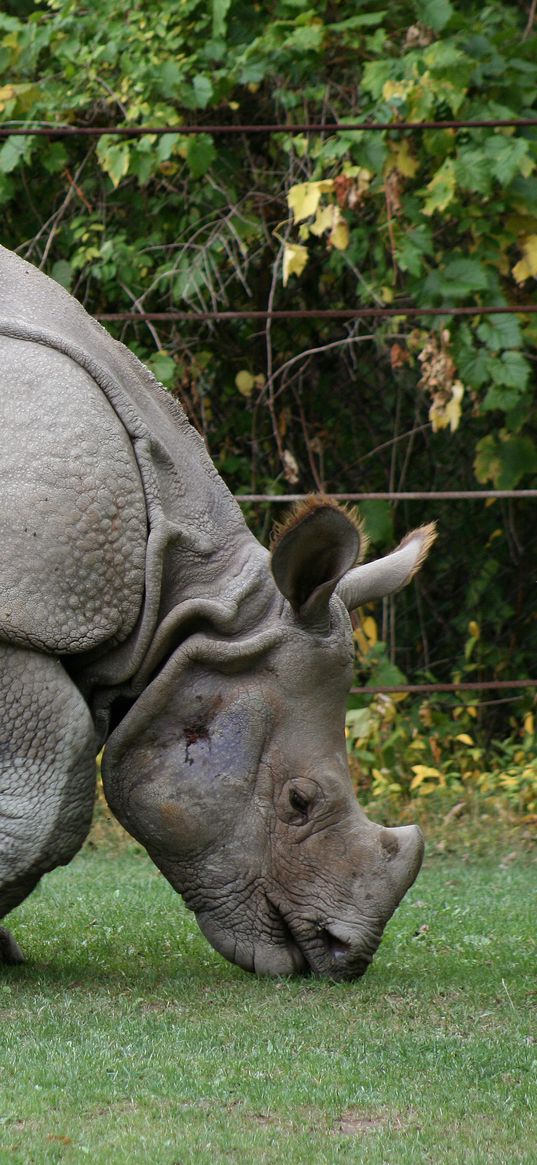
(531, 18)
(268, 354)
(148, 323)
(78, 190)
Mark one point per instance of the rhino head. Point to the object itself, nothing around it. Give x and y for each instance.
(231, 766)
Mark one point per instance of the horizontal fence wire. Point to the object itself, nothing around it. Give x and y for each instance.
(318, 314)
(427, 689)
(136, 131)
(439, 495)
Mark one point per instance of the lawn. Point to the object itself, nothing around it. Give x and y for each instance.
(126, 1039)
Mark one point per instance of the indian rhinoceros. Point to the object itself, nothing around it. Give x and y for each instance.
(138, 611)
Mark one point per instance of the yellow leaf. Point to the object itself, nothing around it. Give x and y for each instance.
(386, 294)
(444, 414)
(527, 267)
(324, 219)
(441, 188)
(244, 382)
(529, 723)
(465, 738)
(474, 629)
(402, 160)
(339, 236)
(7, 93)
(370, 630)
(423, 773)
(397, 90)
(303, 199)
(295, 257)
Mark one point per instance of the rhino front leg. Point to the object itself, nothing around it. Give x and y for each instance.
(47, 775)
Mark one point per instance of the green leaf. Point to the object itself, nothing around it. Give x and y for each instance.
(511, 370)
(459, 279)
(170, 78)
(62, 272)
(375, 75)
(434, 13)
(114, 157)
(378, 521)
(203, 90)
(220, 11)
(200, 154)
(412, 247)
(473, 170)
(164, 147)
(309, 38)
(507, 156)
(474, 366)
(504, 461)
(386, 674)
(366, 20)
(501, 397)
(13, 151)
(500, 331)
(467, 273)
(162, 366)
(55, 157)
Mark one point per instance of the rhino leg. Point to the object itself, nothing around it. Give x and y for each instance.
(47, 775)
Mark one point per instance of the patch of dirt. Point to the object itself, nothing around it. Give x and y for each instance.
(355, 1123)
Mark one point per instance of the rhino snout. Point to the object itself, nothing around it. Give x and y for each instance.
(341, 945)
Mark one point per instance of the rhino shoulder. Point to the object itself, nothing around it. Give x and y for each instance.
(73, 522)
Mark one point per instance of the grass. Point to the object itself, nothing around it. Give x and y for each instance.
(126, 1039)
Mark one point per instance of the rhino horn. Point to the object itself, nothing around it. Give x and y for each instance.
(312, 551)
(386, 576)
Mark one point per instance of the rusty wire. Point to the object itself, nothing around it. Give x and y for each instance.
(445, 495)
(334, 314)
(463, 686)
(136, 131)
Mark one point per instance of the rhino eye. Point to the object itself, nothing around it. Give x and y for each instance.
(299, 803)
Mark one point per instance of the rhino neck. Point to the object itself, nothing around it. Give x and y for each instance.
(225, 593)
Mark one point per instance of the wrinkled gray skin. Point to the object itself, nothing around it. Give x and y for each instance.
(137, 609)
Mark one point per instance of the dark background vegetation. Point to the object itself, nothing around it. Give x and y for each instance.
(433, 217)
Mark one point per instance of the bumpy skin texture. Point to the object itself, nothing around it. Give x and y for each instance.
(137, 610)
(72, 521)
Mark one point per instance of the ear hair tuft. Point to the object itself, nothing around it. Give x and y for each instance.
(429, 535)
(300, 511)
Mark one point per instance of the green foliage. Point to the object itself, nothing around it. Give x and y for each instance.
(401, 753)
(205, 221)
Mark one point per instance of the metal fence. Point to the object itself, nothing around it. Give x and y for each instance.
(27, 129)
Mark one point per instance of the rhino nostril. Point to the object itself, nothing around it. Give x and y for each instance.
(338, 948)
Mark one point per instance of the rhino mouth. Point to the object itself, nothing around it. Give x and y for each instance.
(287, 947)
(322, 952)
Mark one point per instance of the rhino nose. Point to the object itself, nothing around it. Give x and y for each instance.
(404, 846)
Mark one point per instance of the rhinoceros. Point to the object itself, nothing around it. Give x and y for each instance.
(138, 612)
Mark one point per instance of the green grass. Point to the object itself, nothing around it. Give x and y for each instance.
(126, 1039)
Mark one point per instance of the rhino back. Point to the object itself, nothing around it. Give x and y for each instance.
(73, 524)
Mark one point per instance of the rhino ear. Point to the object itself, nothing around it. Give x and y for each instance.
(375, 580)
(312, 551)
